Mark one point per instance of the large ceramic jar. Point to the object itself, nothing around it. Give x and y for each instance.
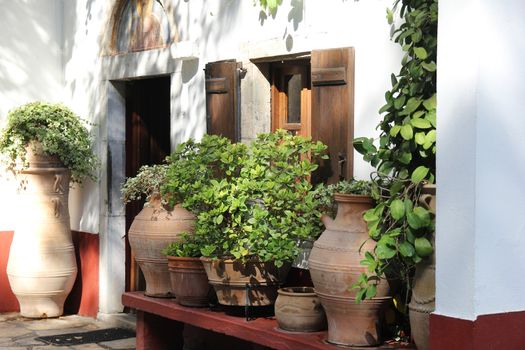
(249, 283)
(42, 266)
(423, 298)
(335, 266)
(151, 231)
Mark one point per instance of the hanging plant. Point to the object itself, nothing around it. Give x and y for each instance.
(405, 156)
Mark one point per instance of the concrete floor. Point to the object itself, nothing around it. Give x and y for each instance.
(19, 333)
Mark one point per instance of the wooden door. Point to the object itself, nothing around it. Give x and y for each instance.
(333, 111)
(147, 142)
(223, 99)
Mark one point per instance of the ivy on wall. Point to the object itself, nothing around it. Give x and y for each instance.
(405, 156)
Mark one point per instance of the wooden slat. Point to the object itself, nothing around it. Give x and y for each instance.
(333, 110)
(222, 99)
(329, 76)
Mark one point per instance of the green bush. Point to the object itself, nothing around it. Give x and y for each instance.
(263, 203)
(60, 132)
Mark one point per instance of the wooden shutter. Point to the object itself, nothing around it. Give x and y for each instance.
(223, 99)
(332, 76)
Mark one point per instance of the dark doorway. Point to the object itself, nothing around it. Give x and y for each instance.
(147, 142)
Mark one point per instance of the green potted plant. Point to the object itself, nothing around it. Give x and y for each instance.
(252, 218)
(47, 146)
(335, 266)
(189, 283)
(156, 225)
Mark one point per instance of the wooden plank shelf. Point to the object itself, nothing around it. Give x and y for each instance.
(160, 323)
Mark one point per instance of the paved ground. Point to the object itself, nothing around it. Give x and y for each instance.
(19, 333)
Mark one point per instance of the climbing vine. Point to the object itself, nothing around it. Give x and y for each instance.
(404, 153)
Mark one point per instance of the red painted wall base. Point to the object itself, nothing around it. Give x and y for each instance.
(487, 332)
(83, 299)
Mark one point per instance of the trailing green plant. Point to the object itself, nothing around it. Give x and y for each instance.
(58, 130)
(189, 246)
(266, 204)
(405, 156)
(146, 183)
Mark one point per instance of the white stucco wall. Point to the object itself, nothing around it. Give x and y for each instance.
(481, 196)
(30, 69)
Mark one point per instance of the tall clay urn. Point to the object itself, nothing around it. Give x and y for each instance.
(335, 266)
(423, 298)
(42, 266)
(151, 231)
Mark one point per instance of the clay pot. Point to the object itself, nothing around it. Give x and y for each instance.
(335, 258)
(151, 231)
(240, 284)
(351, 324)
(298, 309)
(189, 283)
(42, 266)
(335, 266)
(423, 298)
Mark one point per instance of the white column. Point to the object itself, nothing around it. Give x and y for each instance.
(481, 158)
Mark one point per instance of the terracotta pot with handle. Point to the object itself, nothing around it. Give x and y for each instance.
(335, 266)
(42, 266)
(151, 231)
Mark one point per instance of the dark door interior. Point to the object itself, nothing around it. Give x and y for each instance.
(147, 142)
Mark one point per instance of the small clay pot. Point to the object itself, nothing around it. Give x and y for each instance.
(189, 283)
(298, 309)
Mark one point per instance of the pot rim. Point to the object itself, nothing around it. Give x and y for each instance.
(353, 198)
(297, 292)
(183, 258)
(231, 261)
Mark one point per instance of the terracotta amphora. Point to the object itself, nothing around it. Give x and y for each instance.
(151, 231)
(423, 298)
(189, 283)
(42, 266)
(298, 309)
(335, 266)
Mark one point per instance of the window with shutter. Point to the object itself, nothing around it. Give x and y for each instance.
(223, 99)
(315, 97)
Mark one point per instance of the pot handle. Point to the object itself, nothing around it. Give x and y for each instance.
(426, 201)
(327, 221)
(57, 186)
(56, 205)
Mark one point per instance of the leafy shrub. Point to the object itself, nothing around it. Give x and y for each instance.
(264, 202)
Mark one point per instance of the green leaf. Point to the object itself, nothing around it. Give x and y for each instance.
(411, 106)
(430, 103)
(431, 67)
(395, 130)
(420, 138)
(419, 174)
(399, 102)
(383, 251)
(420, 53)
(397, 209)
(371, 291)
(423, 247)
(405, 158)
(407, 132)
(420, 123)
(431, 117)
(385, 108)
(389, 16)
(407, 249)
